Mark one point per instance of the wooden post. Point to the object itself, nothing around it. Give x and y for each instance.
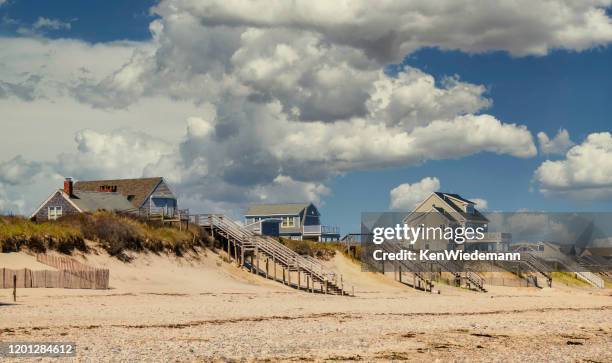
(14, 286)
(267, 260)
(236, 253)
(383, 266)
(242, 256)
(284, 277)
(326, 286)
(257, 259)
(289, 275)
(274, 265)
(400, 273)
(299, 287)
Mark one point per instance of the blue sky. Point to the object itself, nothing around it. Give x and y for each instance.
(567, 89)
(561, 90)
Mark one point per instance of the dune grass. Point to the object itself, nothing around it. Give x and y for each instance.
(568, 279)
(321, 250)
(116, 234)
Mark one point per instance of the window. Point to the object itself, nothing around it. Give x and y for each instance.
(469, 209)
(54, 212)
(288, 222)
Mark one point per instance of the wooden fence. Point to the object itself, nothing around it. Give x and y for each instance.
(71, 274)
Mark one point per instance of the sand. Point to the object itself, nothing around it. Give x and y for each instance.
(19, 260)
(166, 309)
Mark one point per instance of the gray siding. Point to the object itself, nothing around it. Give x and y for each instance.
(56, 201)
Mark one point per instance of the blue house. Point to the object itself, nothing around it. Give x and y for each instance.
(290, 220)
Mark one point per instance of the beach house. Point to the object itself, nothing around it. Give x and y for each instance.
(290, 220)
(141, 195)
(451, 210)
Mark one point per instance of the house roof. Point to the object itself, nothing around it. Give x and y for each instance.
(88, 201)
(477, 216)
(139, 188)
(456, 196)
(276, 209)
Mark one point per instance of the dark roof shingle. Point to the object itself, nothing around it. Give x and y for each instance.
(139, 188)
(94, 201)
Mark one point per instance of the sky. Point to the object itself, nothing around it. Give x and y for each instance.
(354, 108)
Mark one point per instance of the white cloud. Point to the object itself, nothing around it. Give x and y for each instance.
(391, 30)
(481, 204)
(18, 170)
(585, 173)
(557, 145)
(9, 204)
(277, 100)
(48, 23)
(406, 196)
(121, 153)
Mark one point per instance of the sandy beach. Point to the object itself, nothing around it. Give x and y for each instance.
(162, 308)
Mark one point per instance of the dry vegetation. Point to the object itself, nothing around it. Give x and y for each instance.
(116, 234)
(321, 250)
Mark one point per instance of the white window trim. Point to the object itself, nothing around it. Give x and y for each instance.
(288, 222)
(57, 212)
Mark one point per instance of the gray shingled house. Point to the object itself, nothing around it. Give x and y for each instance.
(294, 220)
(142, 194)
(452, 210)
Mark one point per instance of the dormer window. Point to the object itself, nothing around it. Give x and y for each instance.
(469, 208)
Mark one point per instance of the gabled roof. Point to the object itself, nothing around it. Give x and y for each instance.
(276, 209)
(456, 196)
(140, 188)
(88, 201)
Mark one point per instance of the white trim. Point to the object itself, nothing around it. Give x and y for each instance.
(277, 214)
(50, 197)
(161, 179)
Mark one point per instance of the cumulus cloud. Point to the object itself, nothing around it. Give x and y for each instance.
(26, 89)
(18, 170)
(10, 204)
(121, 153)
(557, 145)
(406, 196)
(282, 96)
(585, 173)
(388, 32)
(481, 204)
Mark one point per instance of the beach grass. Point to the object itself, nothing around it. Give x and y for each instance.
(568, 279)
(115, 233)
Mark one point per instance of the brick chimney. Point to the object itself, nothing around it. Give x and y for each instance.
(68, 187)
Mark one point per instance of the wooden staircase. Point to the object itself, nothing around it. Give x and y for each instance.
(422, 278)
(596, 264)
(536, 265)
(471, 278)
(256, 253)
